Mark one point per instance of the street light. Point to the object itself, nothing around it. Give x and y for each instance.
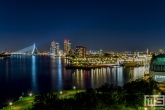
(60, 92)
(75, 88)
(30, 95)
(10, 105)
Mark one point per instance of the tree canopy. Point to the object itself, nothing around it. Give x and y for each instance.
(106, 97)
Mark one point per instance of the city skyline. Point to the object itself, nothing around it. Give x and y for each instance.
(95, 24)
(55, 46)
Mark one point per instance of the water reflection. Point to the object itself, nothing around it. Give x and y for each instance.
(34, 77)
(53, 70)
(120, 77)
(59, 74)
(56, 73)
(138, 72)
(96, 77)
(7, 71)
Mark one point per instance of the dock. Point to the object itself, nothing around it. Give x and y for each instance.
(91, 66)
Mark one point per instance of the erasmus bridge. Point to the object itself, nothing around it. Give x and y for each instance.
(31, 50)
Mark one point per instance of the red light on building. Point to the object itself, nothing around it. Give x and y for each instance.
(65, 40)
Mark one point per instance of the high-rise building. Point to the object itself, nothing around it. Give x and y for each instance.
(80, 51)
(57, 49)
(67, 46)
(52, 48)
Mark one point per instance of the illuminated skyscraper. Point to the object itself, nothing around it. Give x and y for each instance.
(57, 49)
(67, 46)
(80, 51)
(52, 48)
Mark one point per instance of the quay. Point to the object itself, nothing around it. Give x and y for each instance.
(91, 66)
(75, 66)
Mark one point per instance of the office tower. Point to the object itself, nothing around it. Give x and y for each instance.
(80, 51)
(52, 48)
(57, 49)
(67, 46)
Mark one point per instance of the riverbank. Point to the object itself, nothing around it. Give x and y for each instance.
(26, 102)
(73, 66)
(91, 66)
(4, 56)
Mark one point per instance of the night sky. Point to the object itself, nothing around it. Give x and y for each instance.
(110, 25)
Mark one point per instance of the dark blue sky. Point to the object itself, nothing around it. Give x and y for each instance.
(115, 25)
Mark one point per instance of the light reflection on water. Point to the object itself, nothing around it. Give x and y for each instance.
(96, 77)
(34, 77)
(45, 74)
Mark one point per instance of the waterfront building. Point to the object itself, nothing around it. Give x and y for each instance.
(57, 49)
(72, 52)
(52, 48)
(61, 52)
(157, 68)
(80, 51)
(161, 51)
(67, 46)
(88, 52)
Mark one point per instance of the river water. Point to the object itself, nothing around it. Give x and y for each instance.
(23, 74)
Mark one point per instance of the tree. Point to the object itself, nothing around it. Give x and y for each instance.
(106, 97)
(136, 90)
(45, 101)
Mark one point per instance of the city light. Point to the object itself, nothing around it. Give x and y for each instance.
(60, 92)
(10, 103)
(30, 94)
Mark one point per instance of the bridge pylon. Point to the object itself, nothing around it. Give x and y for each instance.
(28, 50)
